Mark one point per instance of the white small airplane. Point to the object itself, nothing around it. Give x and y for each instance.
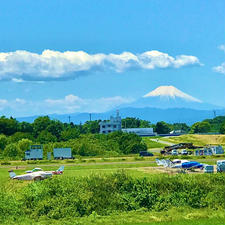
(55, 172)
(39, 175)
(180, 164)
(58, 171)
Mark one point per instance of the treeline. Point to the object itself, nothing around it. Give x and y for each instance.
(84, 140)
(71, 198)
(216, 125)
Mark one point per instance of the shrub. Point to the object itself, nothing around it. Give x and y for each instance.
(67, 197)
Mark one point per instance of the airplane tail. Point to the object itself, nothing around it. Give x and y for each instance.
(167, 163)
(163, 162)
(61, 169)
(11, 174)
(158, 162)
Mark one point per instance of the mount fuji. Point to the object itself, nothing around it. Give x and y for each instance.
(165, 97)
(165, 103)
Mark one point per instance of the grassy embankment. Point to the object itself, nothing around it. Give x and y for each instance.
(198, 139)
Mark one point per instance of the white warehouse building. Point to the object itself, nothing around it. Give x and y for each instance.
(140, 131)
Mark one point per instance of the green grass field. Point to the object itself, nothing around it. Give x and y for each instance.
(141, 217)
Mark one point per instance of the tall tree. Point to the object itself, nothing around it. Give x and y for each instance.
(200, 127)
(162, 128)
(40, 124)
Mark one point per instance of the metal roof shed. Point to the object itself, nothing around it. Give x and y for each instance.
(62, 153)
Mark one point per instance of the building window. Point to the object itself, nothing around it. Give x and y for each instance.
(114, 126)
(103, 126)
(109, 125)
(103, 132)
(109, 131)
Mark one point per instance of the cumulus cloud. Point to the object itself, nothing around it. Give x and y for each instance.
(220, 68)
(20, 66)
(222, 47)
(68, 104)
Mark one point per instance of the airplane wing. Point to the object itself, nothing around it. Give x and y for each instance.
(192, 164)
(34, 170)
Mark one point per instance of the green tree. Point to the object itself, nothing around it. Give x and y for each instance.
(71, 133)
(25, 127)
(40, 124)
(12, 151)
(55, 128)
(3, 141)
(24, 145)
(181, 126)
(92, 126)
(45, 137)
(19, 136)
(200, 127)
(222, 128)
(145, 124)
(131, 122)
(162, 128)
(8, 126)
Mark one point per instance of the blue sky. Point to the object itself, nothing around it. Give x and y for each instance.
(68, 56)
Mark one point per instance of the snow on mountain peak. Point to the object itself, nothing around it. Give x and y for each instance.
(170, 92)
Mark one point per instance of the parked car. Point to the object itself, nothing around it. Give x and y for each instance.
(184, 152)
(145, 153)
(174, 152)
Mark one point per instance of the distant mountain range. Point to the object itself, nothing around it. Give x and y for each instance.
(165, 103)
(165, 97)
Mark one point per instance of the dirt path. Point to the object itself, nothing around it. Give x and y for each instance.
(162, 142)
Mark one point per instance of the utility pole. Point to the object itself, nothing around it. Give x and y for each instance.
(69, 118)
(90, 116)
(214, 112)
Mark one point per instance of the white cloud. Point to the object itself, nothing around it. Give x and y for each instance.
(222, 47)
(17, 80)
(220, 69)
(20, 66)
(72, 103)
(68, 104)
(20, 101)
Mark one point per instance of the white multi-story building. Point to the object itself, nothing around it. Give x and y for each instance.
(108, 126)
